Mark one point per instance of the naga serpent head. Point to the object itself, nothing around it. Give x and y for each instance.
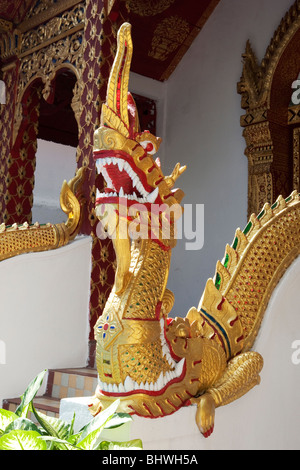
(134, 181)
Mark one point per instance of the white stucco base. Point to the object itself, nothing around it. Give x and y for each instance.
(268, 417)
(44, 311)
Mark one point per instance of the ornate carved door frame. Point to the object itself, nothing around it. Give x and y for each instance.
(268, 122)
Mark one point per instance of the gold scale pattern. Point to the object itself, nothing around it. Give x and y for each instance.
(31, 238)
(145, 293)
(270, 255)
(149, 355)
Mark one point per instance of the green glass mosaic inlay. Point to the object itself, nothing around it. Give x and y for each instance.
(261, 215)
(235, 243)
(218, 281)
(248, 227)
(226, 260)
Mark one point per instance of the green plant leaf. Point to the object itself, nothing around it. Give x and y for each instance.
(73, 438)
(135, 444)
(60, 444)
(22, 440)
(71, 428)
(22, 423)
(53, 426)
(30, 393)
(100, 420)
(92, 440)
(118, 419)
(6, 417)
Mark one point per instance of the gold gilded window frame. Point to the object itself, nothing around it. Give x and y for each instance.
(265, 99)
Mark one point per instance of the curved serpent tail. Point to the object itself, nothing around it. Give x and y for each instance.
(257, 259)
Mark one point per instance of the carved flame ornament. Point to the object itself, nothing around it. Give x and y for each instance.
(152, 363)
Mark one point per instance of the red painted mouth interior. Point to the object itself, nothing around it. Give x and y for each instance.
(120, 179)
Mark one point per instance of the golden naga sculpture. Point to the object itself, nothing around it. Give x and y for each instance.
(152, 363)
(18, 239)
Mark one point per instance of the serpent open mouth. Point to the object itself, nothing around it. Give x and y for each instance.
(124, 180)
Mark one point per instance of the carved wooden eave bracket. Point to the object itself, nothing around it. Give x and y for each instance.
(266, 118)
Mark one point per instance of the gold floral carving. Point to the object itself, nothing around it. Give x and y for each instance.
(168, 35)
(54, 27)
(44, 65)
(43, 11)
(148, 7)
(39, 7)
(8, 44)
(42, 28)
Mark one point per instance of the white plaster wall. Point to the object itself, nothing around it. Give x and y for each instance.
(157, 91)
(54, 164)
(203, 131)
(44, 313)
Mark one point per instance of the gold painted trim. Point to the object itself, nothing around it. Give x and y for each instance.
(70, 32)
(46, 15)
